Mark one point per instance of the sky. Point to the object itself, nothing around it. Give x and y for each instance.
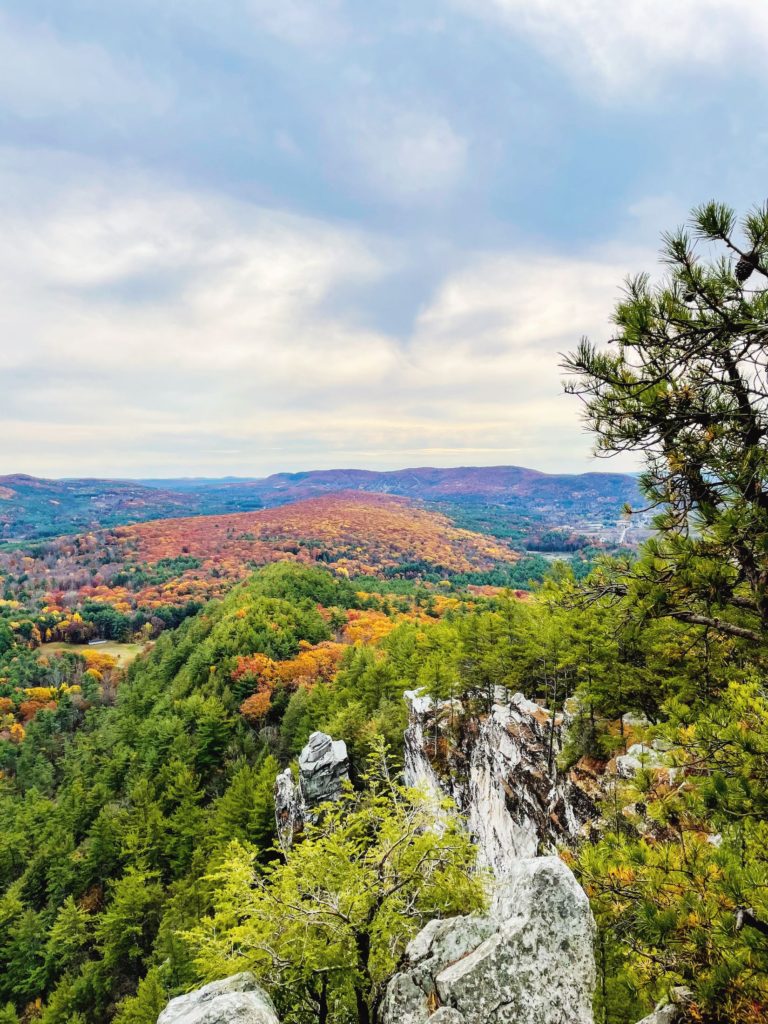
(246, 236)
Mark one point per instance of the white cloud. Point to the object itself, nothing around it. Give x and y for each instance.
(405, 155)
(148, 329)
(44, 75)
(618, 48)
(301, 22)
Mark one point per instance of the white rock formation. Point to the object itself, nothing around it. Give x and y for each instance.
(529, 961)
(289, 811)
(235, 1000)
(638, 756)
(498, 771)
(323, 770)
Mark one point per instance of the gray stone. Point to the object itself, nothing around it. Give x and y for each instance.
(499, 774)
(447, 1015)
(443, 942)
(530, 960)
(404, 1002)
(667, 1014)
(323, 771)
(638, 756)
(235, 1000)
(289, 813)
(637, 721)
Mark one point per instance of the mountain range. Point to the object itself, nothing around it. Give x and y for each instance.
(31, 507)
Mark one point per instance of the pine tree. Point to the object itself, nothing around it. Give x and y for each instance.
(685, 388)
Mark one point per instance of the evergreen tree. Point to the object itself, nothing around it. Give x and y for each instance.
(686, 389)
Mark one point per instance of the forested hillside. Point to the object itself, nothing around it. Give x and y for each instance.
(130, 583)
(32, 508)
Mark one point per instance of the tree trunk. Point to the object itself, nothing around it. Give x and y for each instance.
(322, 1002)
(363, 1011)
(363, 944)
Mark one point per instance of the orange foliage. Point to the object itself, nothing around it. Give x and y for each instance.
(351, 532)
(360, 533)
(29, 708)
(16, 733)
(258, 667)
(367, 627)
(311, 665)
(256, 706)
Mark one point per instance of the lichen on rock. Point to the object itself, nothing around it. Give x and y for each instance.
(234, 1000)
(530, 960)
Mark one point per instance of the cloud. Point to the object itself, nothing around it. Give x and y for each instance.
(621, 49)
(150, 329)
(406, 156)
(44, 75)
(299, 22)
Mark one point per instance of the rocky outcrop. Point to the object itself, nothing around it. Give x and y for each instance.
(235, 1000)
(499, 769)
(289, 811)
(323, 770)
(638, 755)
(530, 960)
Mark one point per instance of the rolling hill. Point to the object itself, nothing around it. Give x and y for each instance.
(359, 533)
(170, 563)
(33, 508)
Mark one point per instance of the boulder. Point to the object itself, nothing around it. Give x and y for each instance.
(323, 770)
(638, 756)
(530, 960)
(235, 1000)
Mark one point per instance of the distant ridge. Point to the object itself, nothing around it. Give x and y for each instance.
(480, 483)
(33, 508)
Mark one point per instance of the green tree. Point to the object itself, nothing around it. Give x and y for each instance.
(681, 897)
(685, 387)
(126, 929)
(146, 1005)
(246, 811)
(327, 926)
(68, 939)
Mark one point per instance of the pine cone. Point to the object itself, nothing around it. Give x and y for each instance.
(745, 266)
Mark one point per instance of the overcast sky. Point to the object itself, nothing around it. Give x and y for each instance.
(242, 236)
